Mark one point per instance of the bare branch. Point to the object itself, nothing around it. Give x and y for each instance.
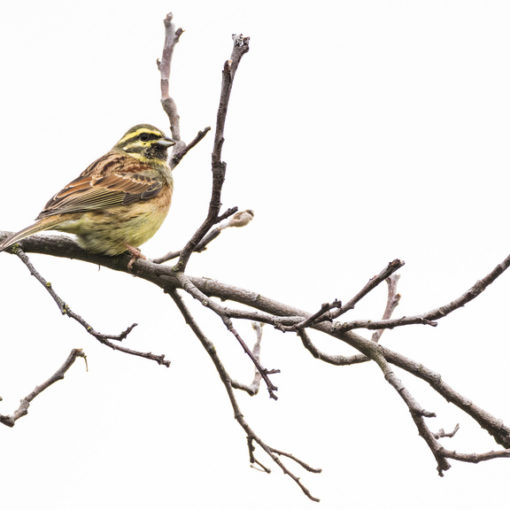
(253, 461)
(188, 286)
(391, 303)
(322, 315)
(272, 312)
(432, 316)
(441, 433)
(298, 461)
(393, 266)
(227, 382)
(418, 414)
(318, 316)
(473, 292)
(494, 426)
(253, 388)
(66, 310)
(180, 149)
(57, 376)
(384, 324)
(177, 156)
(476, 457)
(241, 46)
(171, 39)
(328, 358)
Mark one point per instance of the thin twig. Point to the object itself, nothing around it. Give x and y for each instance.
(391, 303)
(253, 460)
(318, 316)
(384, 324)
(441, 433)
(333, 359)
(171, 39)
(22, 410)
(66, 310)
(393, 266)
(177, 156)
(253, 388)
(304, 465)
(180, 149)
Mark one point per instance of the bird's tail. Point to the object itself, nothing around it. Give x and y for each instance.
(38, 226)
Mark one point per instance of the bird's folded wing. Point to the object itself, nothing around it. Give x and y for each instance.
(97, 189)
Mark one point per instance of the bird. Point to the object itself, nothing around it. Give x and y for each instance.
(118, 202)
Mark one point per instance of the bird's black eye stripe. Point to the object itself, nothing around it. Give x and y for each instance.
(145, 137)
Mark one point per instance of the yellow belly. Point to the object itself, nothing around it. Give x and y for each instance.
(110, 231)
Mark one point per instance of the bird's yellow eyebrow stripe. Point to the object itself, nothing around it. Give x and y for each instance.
(132, 135)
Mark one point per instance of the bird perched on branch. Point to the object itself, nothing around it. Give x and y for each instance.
(118, 202)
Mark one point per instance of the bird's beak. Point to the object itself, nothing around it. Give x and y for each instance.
(165, 142)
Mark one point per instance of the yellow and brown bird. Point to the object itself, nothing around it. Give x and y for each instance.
(118, 202)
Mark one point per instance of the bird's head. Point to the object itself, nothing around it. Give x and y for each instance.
(146, 143)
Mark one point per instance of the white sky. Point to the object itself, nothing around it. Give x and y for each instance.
(358, 132)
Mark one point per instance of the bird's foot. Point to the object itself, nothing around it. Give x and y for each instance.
(135, 255)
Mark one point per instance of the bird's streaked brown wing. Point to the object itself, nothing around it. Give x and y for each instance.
(114, 179)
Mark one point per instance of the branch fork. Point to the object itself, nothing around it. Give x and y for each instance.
(10, 420)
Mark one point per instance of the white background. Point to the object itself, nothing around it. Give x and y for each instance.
(358, 132)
